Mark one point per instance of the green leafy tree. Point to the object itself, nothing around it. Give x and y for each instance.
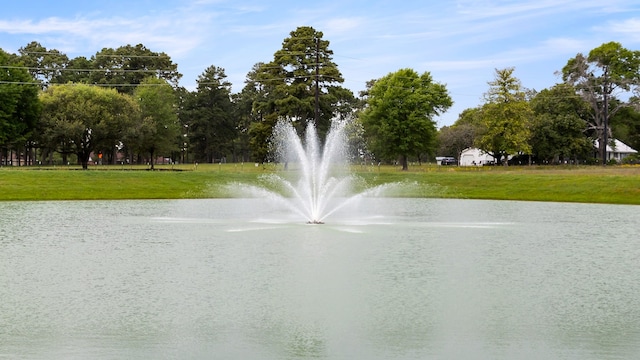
(626, 125)
(159, 131)
(471, 116)
(608, 73)
(302, 83)
(452, 140)
(82, 117)
(127, 66)
(210, 112)
(357, 150)
(463, 134)
(183, 97)
(246, 116)
(50, 66)
(19, 104)
(119, 128)
(77, 70)
(559, 125)
(263, 113)
(44, 65)
(398, 119)
(506, 118)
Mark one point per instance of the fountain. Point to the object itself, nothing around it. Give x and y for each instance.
(323, 183)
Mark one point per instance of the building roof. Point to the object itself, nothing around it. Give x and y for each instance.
(619, 147)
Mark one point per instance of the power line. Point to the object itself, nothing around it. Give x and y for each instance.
(77, 84)
(82, 70)
(97, 55)
(42, 52)
(132, 56)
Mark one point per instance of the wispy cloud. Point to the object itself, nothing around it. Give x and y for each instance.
(78, 26)
(342, 25)
(169, 31)
(629, 28)
(501, 8)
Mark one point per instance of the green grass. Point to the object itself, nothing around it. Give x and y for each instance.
(114, 183)
(613, 185)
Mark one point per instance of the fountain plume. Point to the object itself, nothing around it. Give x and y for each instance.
(321, 182)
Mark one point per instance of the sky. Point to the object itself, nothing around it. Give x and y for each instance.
(459, 42)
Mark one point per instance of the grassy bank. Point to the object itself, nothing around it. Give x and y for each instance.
(614, 185)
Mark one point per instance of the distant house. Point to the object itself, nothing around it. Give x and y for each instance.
(15, 158)
(475, 157)
(618, 151)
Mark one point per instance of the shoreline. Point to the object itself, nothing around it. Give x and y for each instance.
(583, 184)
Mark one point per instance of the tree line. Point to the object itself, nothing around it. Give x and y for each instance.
(597, 102)
(126, 105)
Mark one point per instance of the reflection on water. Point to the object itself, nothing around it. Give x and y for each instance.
(407, 278)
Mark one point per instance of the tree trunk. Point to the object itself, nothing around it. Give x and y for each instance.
(405, 164)
(603, 149)
(83, 157)
(151, 160)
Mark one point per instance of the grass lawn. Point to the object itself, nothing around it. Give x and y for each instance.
(611, 184)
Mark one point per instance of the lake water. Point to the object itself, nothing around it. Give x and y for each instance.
(237, 279)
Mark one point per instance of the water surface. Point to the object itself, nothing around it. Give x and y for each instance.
(396, 278)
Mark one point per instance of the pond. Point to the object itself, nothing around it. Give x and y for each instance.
(395, 278)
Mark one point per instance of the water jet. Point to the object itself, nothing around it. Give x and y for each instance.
(317, 182)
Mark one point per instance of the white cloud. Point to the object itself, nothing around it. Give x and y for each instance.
(459, 65)
(564, 45)
(504, 8)
(54, 25)
(339, 26)
(629, 28)
(173, 33)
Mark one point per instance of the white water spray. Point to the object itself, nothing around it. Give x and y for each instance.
(323, 184)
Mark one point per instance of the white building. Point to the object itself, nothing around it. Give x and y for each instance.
(618, 151)
(475, 157)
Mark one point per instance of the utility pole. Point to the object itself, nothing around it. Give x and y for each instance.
(606, 129)
(605, 120)
(317, 107)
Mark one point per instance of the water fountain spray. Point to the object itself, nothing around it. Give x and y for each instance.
(316, 183)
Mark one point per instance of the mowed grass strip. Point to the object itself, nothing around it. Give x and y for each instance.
(612, 185)
(565, 187)
(112, 184)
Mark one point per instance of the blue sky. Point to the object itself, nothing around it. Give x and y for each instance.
(460, 43)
